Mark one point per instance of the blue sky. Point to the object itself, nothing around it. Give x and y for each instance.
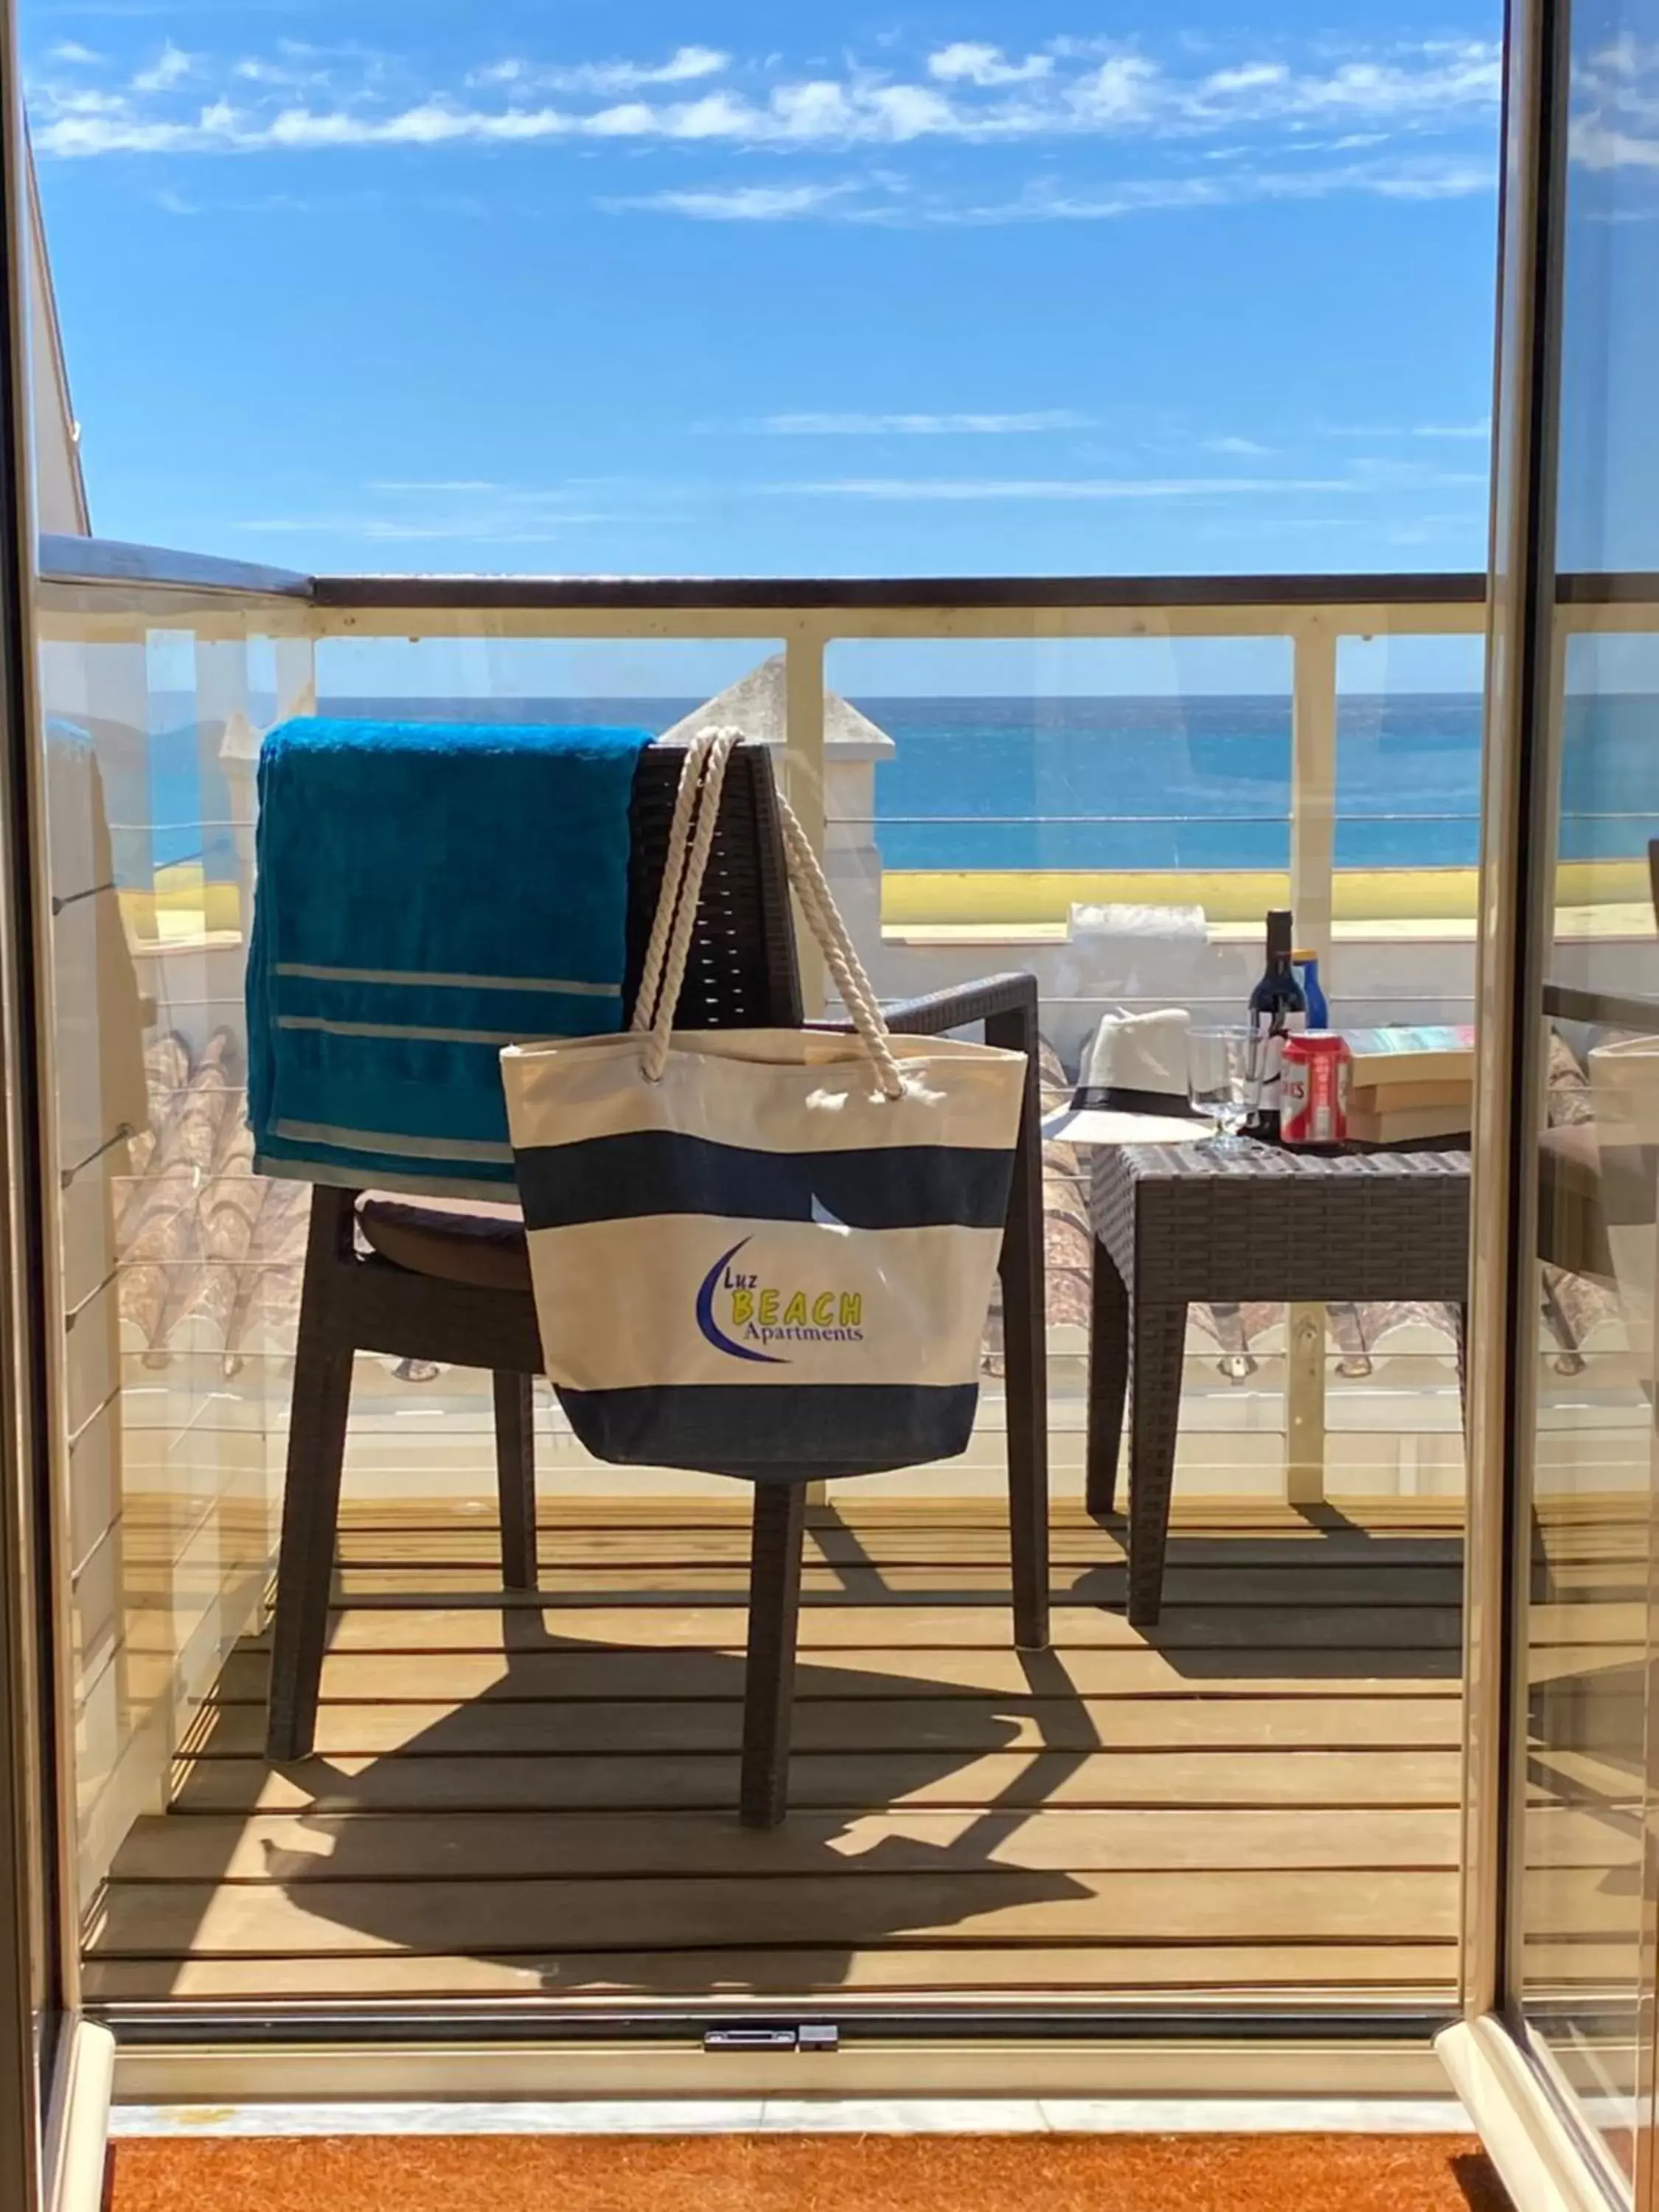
(670, 288)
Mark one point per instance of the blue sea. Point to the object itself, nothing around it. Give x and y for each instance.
(1105, 783)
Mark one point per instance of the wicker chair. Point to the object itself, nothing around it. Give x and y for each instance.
(450, 1283)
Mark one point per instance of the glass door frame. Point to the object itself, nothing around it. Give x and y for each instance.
(1546, 2150)
(54, 2088)
(56, 2070)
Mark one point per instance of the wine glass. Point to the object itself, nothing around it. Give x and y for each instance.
(1221, 1062)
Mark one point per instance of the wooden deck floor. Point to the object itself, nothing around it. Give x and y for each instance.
(1258, 1797)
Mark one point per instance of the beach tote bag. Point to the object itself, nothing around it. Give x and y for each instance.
(764, 1252)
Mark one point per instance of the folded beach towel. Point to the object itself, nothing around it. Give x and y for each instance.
(427, 893)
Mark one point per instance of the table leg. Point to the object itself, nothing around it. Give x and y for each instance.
(1108, 1379)
(1304, 1405)
(1159, 1340)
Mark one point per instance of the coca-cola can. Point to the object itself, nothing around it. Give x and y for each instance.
(1313, 1097)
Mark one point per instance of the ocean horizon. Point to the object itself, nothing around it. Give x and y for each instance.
(1066, 783)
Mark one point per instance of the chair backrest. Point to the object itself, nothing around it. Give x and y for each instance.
(743, 972)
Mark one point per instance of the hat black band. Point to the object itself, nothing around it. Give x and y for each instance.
(1110, 1098)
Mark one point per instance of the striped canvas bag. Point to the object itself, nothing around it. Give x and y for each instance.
(765, 1253)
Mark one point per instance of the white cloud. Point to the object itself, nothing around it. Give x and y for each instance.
(905, 110)
(1471, 74)
(966, 93)
(1250, 76)
(1126, 89)
(968, 62)
(1623, 55)
(1245, 447)
(286, 75)
(820, 109)
(378, 530)
(686, 65)
(1615, 123)
(90, 102)
(501, 517)
(1392, 474)
(71, 51)
(1601, 146)
(170, 69)
(743, 203)
(923, 426)
(1066, 487)
(1049, 201)
(1361, 483)
(1471, 430)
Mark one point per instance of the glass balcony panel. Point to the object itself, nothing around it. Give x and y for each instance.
(1116, 815)
(172, 1252)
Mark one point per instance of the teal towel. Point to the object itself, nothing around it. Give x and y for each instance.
(427, 893)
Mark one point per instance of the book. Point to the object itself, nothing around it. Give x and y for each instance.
(1409, 1127)
(1408, 1097)
(1389, 1056)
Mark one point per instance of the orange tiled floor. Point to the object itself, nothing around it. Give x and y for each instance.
(804, 2174)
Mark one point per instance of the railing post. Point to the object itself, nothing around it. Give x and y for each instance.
(1313, 855)
(295, 659)
(803, 695)
(296, 676)
(225, 755)
(116, 690)
(1313, 783)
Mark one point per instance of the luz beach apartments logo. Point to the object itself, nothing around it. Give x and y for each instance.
(742, 1315)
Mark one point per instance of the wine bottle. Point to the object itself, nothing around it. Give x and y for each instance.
(1307, 966)
(1278, 1006)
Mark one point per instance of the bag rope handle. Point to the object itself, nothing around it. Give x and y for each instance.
(823, 918)
(670, 895)
(690, 841)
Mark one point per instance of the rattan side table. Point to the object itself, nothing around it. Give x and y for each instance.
(1176, 1225)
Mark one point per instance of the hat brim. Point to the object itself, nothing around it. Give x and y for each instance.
(1102, 1125)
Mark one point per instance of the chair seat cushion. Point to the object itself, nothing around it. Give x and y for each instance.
(458, 1240)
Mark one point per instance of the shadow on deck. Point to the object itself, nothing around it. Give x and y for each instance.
(537, 1799)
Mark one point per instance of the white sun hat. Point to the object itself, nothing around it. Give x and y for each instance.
(1132, 1087)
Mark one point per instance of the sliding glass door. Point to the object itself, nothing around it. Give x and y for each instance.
(1585, 1428)
(1562, 1911)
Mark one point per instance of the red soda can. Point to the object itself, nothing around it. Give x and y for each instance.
(1314, 1098)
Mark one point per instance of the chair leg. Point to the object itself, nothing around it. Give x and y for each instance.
(311, 1496)
(1025, 1346)
(515, 1478)
(305, 1567)
(769, 1683)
